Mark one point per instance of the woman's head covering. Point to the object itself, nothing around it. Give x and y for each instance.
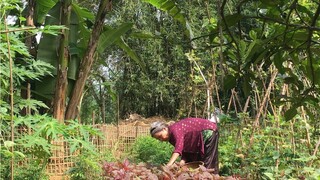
(156, 127)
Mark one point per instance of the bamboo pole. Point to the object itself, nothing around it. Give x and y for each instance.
(257, 98)
(238, 101)
(6, 31)
(262, 105)
(315, 151)
(266, 96)
(307, 130)
(229, 104)
(29, 43)
(234, 100)
(293, 141)
(207, 88)
(11, 98)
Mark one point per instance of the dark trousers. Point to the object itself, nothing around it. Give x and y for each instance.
(211, 158)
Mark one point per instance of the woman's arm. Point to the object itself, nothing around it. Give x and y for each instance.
(173, 158)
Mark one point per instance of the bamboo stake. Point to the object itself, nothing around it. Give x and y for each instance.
(193, 94)
(6, 31)
(307, 130)
(238, 101)
(315, 151)
(229, 104)
(28, 42)
(118, 117)
(215, 87)
(246, 106)
(267, 93)
(207, 87)
(293, 141)
(234, 101)
(214, 81)
(278, 134)
(266, 96)
(217, 93)
(293, 144)
(258, 99)
(11, 97)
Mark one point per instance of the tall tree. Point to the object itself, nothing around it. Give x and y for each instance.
(87, 60)
(84, 37)
(61, 87)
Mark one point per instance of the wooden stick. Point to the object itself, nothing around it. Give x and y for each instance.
(256, 122)
(11, 98)
(17, 29)
(307, 130)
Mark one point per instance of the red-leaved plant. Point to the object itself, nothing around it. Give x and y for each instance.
(127, 171)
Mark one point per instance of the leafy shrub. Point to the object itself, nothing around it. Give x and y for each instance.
(22, 169)
(273, 155)
(38, 145)
(229, 161)
(150, 150)
(88, 165)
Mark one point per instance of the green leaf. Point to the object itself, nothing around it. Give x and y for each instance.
(19, 154)
(246, 87)
(52, 29)
(8, 144)
(233, 19)
(82, 13)
(253, 35)
(305, 158)
(269, 175)
(74, 145)
(34, 142)
(49, 43)
(270, 3)
(124, 46)
(6, 153)
(300, 36)
(109, 87)
(229, 82)
(278, 62)
(144, 35)
(109, 36)
(242, 48)
(289, 114)
(168, 5)
(42, 9)
(304, 9)
(32, 104)
(276, 155)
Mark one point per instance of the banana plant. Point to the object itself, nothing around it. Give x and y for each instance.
(88, 36)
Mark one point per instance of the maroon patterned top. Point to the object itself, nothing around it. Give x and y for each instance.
(185, 135)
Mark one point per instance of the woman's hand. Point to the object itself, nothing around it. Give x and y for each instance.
(173, 158)
(182, 163)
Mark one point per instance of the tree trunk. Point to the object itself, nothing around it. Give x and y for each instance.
(87, 61)
(30, 43)
(62, 74)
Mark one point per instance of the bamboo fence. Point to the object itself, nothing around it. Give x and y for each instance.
(119, 137)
